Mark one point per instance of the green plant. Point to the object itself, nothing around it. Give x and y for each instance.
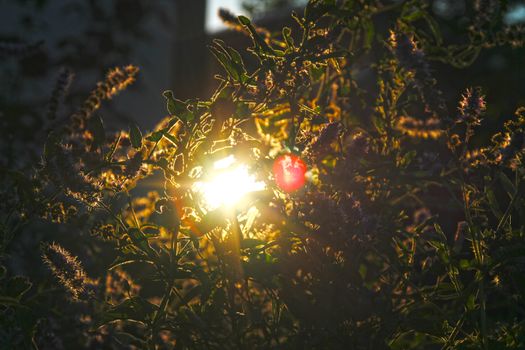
(407, 235)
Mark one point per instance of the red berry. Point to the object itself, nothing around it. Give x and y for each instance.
(289, 171)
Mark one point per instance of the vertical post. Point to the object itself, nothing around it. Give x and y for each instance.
(189, 66)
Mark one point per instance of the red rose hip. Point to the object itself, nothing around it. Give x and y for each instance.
(290, 172)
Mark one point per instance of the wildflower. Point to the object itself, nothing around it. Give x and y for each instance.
(472, 106)
(68, 270)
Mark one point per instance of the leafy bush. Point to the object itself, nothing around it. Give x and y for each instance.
(407, 235)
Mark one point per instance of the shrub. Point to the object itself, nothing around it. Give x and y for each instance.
(408, 233)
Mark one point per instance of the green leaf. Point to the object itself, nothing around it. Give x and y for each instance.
(251, 243)
(379, 123)
(233, 70)
(287, 36)
(17, 286)
(243, 110)
(236, 57)
(211, 220)
(130, 339)
(150, 230)
(257, 39)
(174, 106)
(136, 309)
(493, 203)
(244, 20)
(507, 184)
(51, 145)
(236, 60)
(24, 186)
(9, 301)
(187, 116)
(135, 136)
(464, 264)
(128, 259)
(315, 9)
(140, 240)
(155, 136)
(434, 27)
(192, 293)
(194, 239)
(407, 159)
(369, 32)
(170, 138)
(412, 16)
(471, 302)
(96, 126)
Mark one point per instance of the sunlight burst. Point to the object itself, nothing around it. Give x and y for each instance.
(229, 184)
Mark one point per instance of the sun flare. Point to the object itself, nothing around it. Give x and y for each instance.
(229, 185)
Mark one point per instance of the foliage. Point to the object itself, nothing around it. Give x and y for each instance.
(408, 234)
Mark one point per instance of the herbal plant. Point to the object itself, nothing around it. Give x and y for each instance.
(407, 234)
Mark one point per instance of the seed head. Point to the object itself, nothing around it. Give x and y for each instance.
(67, 269)
(472, 106)
(429, 128)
